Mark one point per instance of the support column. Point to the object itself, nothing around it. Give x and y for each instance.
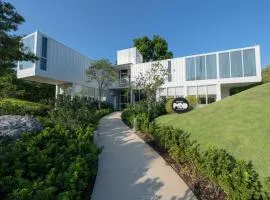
(56, 91)
(218, 92)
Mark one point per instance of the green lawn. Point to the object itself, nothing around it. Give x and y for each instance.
(240, 124)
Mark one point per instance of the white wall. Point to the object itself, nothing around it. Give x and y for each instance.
(126, 56)
(64, 66)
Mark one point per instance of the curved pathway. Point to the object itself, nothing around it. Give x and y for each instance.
(130, 170)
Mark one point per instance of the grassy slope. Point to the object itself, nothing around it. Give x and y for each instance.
(240, 124)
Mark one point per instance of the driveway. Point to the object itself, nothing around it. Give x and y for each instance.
(131, 170)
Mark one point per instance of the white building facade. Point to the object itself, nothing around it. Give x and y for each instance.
(58, 65)
(207, 76)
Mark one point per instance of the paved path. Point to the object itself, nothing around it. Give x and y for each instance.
(130, 170)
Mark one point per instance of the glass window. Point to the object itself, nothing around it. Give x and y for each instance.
(211, 66)
(44, 47)
(249, 62)
(169, 71)
(236, 64)
(43, 64)
(200, 68)
(29, 46)
(224, 65)
(29, 43)
(211, 99)
(202, 99)
(190, 69)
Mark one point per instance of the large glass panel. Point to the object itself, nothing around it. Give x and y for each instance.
(29, 46)
(202, 99)
(169, 71)
(200, 68)
(29, 43)
(211, 98)
(123, 77)
(190, 69)
(224, 65)
(236, 64)
(211, 66)
(249, 62)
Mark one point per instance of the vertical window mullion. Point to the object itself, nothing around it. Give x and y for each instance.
(242, 55)
(230, 64)
(205, 70)
(195, 70)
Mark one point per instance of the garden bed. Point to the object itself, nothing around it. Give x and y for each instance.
(202, 189)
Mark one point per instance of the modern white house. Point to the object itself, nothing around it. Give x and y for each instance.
(207, 76)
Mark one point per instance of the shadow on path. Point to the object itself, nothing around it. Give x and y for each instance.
(130, 170)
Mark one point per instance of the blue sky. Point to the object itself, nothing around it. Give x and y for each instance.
(99, 28)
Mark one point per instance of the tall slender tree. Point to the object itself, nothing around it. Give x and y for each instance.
(103, 73)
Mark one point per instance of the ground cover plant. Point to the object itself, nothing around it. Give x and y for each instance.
(60, 162)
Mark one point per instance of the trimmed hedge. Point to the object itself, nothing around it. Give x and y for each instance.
(168, 105)
(236, 178)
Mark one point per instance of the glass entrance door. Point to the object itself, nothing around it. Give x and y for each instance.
(124, 100)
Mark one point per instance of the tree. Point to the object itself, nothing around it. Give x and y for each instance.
(103, 73)
(152, 50)
(11, 49)
(150, 81)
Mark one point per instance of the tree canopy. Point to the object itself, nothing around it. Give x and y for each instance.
(152, 50)
(103, 73)
(11, 47)
(11, 51)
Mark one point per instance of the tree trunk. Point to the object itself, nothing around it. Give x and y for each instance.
(99, 98)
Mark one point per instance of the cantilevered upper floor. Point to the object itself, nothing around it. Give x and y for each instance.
(56, 62)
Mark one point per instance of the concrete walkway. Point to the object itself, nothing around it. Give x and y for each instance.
(130, 170)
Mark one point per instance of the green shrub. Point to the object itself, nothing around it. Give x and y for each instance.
(192, 100)
(60, 162)
(46, 165)
(236, 178)
(168, 105)
(20, 107)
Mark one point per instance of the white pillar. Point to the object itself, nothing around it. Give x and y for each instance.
(56, 91)
(218, 92)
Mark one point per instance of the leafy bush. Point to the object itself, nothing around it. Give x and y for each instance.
(236, 178)
(168, 105)
(48, 165)
(143, 112)
(192, 100)
(60, 162)
(20, 107)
